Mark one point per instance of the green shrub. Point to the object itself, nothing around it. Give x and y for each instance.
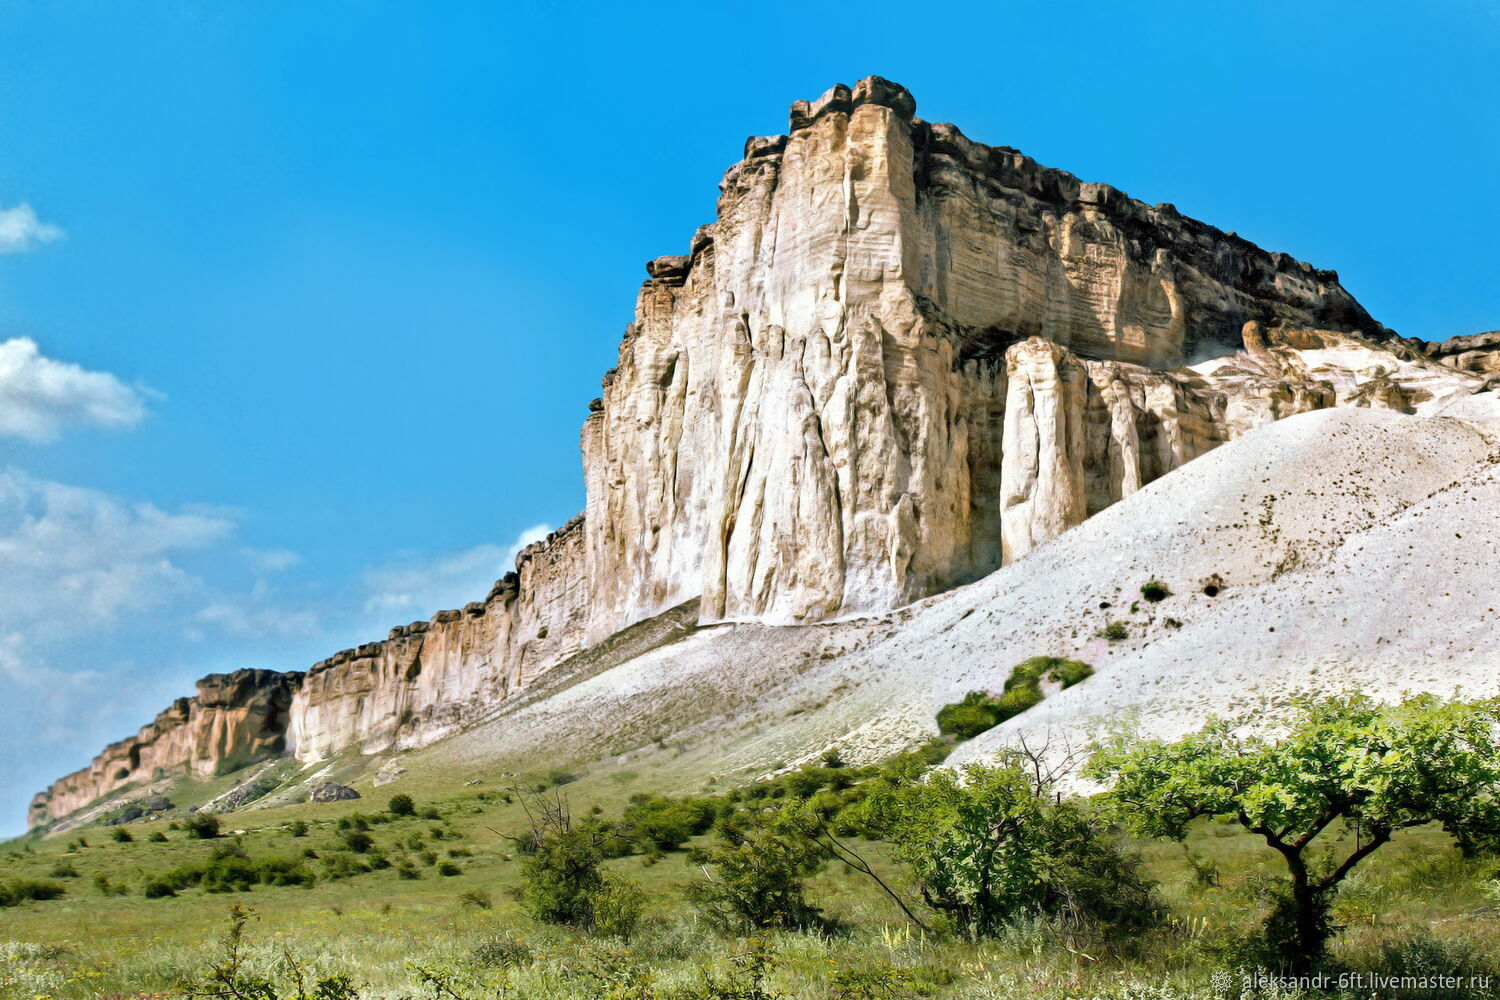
(358, 841)
(408, 871)
(966, 719)
(1115, 631)
(1017, 700)
(980, 711)
(120, 835)
(297, 828)
(1027, 673)
(342, 865)
(1155, 590)
(276, 871)
(761, 862)
(401, 805)
(159, 888)
(561, 876)
(448, 869)
(157, 837)
(1070, 672)
(63, 869)
(617, 906)
(993, 844)
(658, 823)
(202, 826)
(19, 890)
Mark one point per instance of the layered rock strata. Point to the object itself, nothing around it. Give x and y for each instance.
(428, 678)
(1478, 352)
(807, 415)
(897, 359)
(233, 720)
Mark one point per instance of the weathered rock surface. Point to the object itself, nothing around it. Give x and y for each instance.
(807, 418)
(429, 678)
(330, 791)
(1477, 353)
(233, 720)
(896, 360)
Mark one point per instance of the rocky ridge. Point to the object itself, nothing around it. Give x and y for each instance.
(896, 361)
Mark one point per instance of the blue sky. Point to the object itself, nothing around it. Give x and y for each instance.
(301, 305)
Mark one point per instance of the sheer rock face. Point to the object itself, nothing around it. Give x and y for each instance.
(809, 412)
(897, 359)
(428, 679)
(235, 719)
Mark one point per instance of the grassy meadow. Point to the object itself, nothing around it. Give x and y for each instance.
(440, 917)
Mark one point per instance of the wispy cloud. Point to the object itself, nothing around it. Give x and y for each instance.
(420, 587)
(40, 396)
(20, 229)
(76, 559)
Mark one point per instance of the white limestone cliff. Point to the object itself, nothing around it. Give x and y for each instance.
(896, 360)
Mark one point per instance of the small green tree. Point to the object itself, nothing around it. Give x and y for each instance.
(1374, 769)
(761, 862)
(401, 805)
(203, 826)
(989, 844)
(563, 880)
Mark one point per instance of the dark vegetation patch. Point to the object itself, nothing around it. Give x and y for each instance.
(981, 710)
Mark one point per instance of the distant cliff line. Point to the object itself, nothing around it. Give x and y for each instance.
(842, 399)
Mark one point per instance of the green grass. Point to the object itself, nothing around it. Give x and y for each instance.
(89, 944)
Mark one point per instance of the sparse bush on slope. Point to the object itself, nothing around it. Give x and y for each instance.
(18, 890)
(980, 711)
(202, 826)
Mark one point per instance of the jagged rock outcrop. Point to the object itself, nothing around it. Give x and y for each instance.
(431, 677)
(1082, 434)
(896, 359)
(329, 791)
(233, 720)
(1478, 352)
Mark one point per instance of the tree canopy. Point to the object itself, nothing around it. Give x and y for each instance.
(1345, 762)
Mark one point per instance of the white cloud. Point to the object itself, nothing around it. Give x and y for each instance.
(40, 396)
(421, 588)
(257, 620)
(20, 229)
(76, 559)
(271, 560)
